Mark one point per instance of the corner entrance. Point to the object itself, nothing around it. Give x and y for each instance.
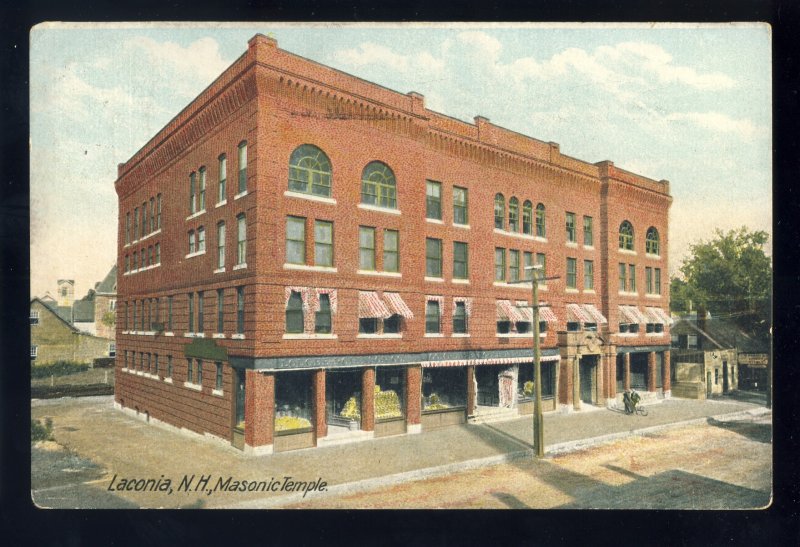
(588, 381)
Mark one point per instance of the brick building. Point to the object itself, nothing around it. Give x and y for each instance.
(309, 258)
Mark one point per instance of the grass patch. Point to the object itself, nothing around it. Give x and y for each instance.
(41, 432)
(59, 368)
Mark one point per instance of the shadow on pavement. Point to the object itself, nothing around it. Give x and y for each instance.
(758, 432)
(512, 502)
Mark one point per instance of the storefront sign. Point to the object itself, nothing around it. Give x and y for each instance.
(754, 359)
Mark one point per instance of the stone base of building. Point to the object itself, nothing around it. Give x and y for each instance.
(414, 428)
(264, 450)
(347, 438)
(668, 394)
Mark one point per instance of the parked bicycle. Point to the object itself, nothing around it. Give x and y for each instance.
(631, 400)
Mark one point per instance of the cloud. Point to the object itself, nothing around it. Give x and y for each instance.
(654, 59)
(719, 122)
(375, 54)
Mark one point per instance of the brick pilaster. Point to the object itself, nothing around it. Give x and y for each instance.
(575, 365)
(651, 371)
(259, 408)
(471, 395)
(413, 394)
(368, 399)
(626, 359)
(611, 363)
(667, 371)
(320, 418)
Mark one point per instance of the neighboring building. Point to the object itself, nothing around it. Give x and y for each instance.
(712, 356)
(310, 258)
(105, 305)
(55, 339)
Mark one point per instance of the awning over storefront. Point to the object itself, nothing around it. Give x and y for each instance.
(595, 314)
(396, 305)
(371, 306)
(524, 310)
(631, 314)
(506, 311)
(659, 316)
(576, 314)
(495, 361)
(546, 314)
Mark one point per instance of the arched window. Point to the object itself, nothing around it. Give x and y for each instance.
(527, 217)
(651, 241)
(378, 186)
(310, 171)
(294, 314)
(626, 236)
(513, 215)
(541, 227)
(499, 211)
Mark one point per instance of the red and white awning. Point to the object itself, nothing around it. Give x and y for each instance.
(659, 316)
(595, 314)
(490, 361)
(506, 311)
(396, 305)
(576, 314)
(524, 310)
(631, 314)
(371, 306)
(546, 313)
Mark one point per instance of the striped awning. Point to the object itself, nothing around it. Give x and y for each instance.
(506, 311)
(631, 314)
(659, 316)
(576, 314)
(396, 305)
(490, 361)
(598, 317)
(546, 314)
(524, 310)
(371, 306)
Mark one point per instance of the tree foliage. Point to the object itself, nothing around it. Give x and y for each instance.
(730, 276)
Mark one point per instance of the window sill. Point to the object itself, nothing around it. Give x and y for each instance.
(169, 334)
(570, 290)
(195, 215)
(306, 268)
(219, 270)
(462, 226)
(167, 380)
(310, 337)
(628, 334)
(626, 252)
(529, 237)
(460, 335)
(655, 334)
(652, 296)
(217, 392)
(221, 203)
(434, 279)
(376, 272)
(237, 336)
(434, 221)
(461, 281)
(378, 209)
(193, 386)
(385, 336)
(194, 335)
(654, 257)
(516, 335)
(240, 266)
(311, 197)
(588, 247)
(153, 234)
(505, 285)
(218, 335)
(589, 291)
(626, 293)
(240, 195)
(194, 254)
(434, 335)
(572, 244)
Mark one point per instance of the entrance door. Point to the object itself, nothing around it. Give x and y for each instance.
(239, 396)
(588, 369)
(708, 383)
(724, 377)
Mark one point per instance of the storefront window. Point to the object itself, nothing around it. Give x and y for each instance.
(293, 401)
(343, 399)
(525, 385)
(444, 388)
(389, 393)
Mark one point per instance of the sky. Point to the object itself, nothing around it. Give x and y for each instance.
(686, 103)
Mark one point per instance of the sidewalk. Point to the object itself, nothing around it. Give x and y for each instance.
(130, 448)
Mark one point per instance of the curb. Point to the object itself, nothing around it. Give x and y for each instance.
(558, 449)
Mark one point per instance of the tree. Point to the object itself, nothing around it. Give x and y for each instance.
(730, 276)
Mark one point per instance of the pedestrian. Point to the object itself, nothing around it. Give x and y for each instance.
(626, 398)
(635, 398)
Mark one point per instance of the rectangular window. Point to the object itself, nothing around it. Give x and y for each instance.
(367, 325)
(432, 317)
(200, 311)
(460, 318)
(323, 243)
(221, 245)
(34, 351)
(191, 242)
(143, 221)
(201, 240)
(127, 263)
(189, 371)
(155, 364)
(169, 366)
(158, 253)
(192, 193)
(191, 312)
(169, 313)
(433, 257)
(658, 281)
(391, 251)
(513, 265)
(34, 317)
(323, 316)
(571, 235)
(499, 264)
(158, 213)
(572, 273)
(242, 167)
(294, 313)
(648, 280)
(433, 200)
(135, 223)
(127, 227)
(588, 233)
(391, 325)
(199, 371)
(623, 277)
(152, 214)
(150, 256)
(220, 310)
(202, 189)
(541, 261)
(295, 240)
(588, 275)
(241, 248)
(240, 310)
(366, 248)
(527, 263)
(149, 362)
(460, 204)
(460, 260)
(632, 277)
(218, 380)
(223, 175)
